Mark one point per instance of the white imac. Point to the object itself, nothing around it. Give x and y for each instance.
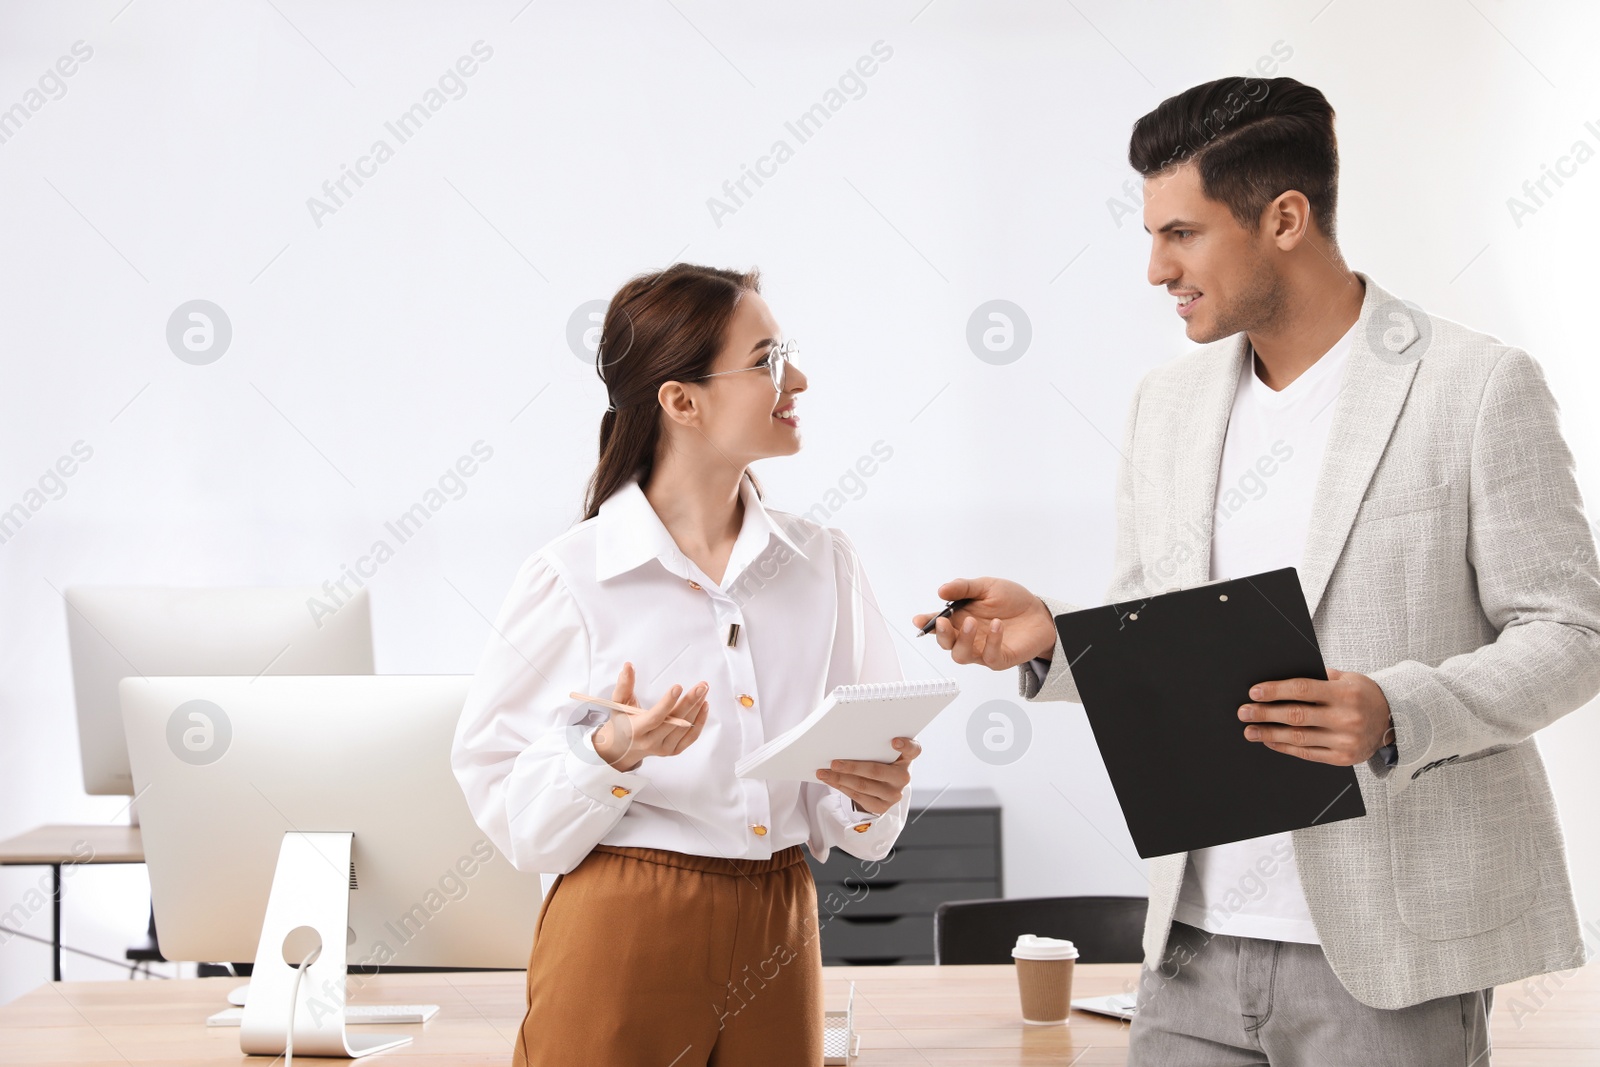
(276, 804)
(146, 631)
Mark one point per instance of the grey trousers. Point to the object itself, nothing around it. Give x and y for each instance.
(1223, 1001)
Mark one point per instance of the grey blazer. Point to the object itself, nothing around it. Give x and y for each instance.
(1449, 559)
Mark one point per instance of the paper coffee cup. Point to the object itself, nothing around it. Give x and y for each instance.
(1044, 978)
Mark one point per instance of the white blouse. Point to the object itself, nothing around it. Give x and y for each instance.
(616, 588)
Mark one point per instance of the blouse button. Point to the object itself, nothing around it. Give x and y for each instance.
(619, 792)
(747, 700)
(694, 584)
(759, 830)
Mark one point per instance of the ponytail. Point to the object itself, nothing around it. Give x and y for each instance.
(661, 327)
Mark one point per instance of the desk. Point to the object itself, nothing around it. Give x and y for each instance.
(58, 846)
(917, 1015)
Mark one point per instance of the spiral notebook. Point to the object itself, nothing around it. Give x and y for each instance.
(854, 722)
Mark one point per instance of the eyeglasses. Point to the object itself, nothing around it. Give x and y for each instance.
(775, 362)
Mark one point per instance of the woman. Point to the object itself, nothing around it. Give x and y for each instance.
(683, 927)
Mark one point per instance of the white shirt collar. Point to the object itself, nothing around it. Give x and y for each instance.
(630, 533)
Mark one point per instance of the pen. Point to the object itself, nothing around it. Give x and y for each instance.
(626, 709)
(954, 605)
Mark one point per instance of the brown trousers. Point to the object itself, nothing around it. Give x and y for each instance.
(649, 958)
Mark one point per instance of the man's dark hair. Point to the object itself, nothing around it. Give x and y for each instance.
(1252, 140)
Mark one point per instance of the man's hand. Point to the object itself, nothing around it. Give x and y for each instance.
(874, 786)
(1342, 721)
(1003, 626)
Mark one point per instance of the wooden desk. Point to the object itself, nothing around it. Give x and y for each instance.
(59, 846)
(921, 1015)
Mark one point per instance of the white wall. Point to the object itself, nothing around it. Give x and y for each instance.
(430, 310)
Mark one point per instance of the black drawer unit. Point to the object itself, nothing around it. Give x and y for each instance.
(881, 911)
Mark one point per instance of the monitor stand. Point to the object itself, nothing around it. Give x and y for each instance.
(310, 888)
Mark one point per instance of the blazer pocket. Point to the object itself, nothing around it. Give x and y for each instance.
(1460, 847)
(1380, 507)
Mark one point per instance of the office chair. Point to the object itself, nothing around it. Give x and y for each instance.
(1104, 929)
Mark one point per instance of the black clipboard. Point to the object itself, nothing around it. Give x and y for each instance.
(1162, 679)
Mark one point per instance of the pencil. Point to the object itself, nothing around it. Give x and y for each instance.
(626, 709)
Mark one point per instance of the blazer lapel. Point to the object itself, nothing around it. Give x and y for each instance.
(1390, 337)
(1205, 428)
(1373, 391)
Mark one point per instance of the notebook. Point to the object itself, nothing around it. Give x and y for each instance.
(854, 722)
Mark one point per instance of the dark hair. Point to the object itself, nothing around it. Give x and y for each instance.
(665, 326)
(1252, 139)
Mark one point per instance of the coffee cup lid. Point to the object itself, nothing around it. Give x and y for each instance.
(1033, 947)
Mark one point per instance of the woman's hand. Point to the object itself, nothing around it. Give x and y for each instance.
(625, 740)
(874, 786)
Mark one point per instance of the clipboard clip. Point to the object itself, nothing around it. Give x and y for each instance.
(1124, 616)
(1195, 585)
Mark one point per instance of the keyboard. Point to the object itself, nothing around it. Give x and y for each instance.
(354, 1014)
(1117, 1005)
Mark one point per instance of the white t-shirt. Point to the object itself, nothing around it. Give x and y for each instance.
(1270, 461)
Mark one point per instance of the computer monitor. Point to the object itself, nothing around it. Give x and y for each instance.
(134, 631)
(274, 803)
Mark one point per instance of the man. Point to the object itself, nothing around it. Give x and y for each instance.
(1413, 470)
